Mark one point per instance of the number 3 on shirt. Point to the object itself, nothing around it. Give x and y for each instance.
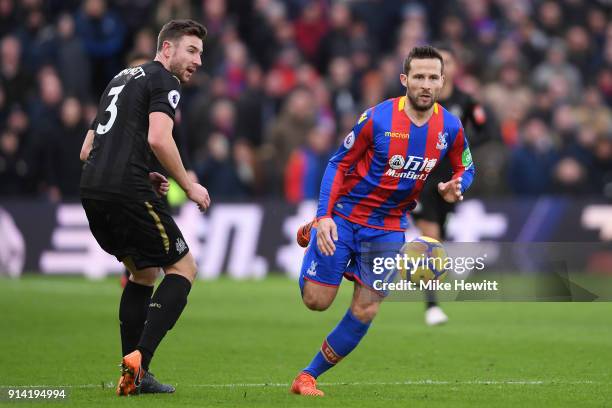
(112, 109)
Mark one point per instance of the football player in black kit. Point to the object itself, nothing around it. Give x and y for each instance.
(120, 196)
(133, 60)
(432, 211)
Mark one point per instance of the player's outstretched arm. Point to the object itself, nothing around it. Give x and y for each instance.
(163, 146)
(87, 144)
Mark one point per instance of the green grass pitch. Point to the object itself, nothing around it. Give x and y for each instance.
(241, 343)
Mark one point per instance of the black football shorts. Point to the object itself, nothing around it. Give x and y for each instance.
(142, 230)
(433, 207)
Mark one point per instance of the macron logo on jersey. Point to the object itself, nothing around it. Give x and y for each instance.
(174, 97)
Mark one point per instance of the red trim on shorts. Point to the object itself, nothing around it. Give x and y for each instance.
(348, 276)
(321, 283)
(353, 277)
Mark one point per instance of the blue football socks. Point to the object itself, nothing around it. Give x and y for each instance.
(338, 344)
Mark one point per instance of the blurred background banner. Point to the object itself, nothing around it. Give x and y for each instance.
(282, 83)
(251, 240)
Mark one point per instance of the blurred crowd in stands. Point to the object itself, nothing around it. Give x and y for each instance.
(283, 81)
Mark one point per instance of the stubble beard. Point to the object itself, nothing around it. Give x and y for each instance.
(414, 101)
(177, 71)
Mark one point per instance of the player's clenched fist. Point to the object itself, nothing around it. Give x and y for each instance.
(451, 190)
(159, 182)
(199, 195)
(327, 233)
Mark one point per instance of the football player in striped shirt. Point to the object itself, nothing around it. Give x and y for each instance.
(369, 186)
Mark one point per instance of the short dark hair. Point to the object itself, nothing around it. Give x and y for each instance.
(175, 29)
(422, 52)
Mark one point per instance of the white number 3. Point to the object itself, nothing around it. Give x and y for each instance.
(112, 109)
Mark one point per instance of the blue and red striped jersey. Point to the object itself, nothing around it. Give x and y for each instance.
(380, 169)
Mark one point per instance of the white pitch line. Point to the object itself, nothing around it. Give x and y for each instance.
(328, 384)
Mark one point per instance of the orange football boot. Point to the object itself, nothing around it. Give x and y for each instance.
(305, 384)
(303, 233)
(131, 374)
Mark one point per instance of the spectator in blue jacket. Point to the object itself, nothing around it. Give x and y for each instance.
(103, 34)
(532, 162)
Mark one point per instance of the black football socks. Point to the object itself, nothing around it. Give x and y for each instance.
(165, 308)
(430, 299)
(133, 310)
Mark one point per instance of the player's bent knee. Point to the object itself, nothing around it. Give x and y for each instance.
(318, 298)
(365, 313)
(185, 267)
(146, 276)
(315, 303)
(147, 279)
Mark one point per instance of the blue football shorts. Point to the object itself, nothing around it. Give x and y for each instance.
(355, 258)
